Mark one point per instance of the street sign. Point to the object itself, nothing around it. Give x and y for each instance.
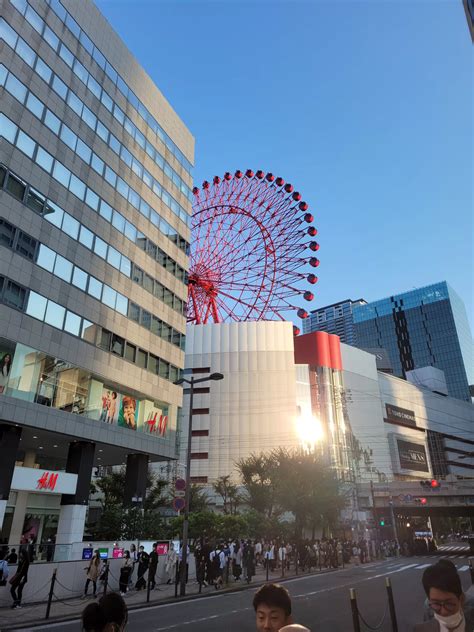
(178, 504)
(180, 484)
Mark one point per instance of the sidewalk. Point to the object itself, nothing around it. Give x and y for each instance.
(68, 609)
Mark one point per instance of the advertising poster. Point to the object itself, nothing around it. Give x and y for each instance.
(128, 412)
(103, 554)
(412, 456)
(117, 553)
(87, 553)
(110, 405)
(6, 359)
(162, 548)
(154, 420)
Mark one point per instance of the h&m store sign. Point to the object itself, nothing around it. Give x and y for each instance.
(31, 479)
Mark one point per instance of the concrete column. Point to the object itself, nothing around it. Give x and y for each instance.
(72, 516)
(21, 504)
(9, 442)
(135, 477)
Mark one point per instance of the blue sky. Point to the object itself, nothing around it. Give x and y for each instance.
(366, 107)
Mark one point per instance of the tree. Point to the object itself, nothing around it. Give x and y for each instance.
(198, 499)
(229, 494)
(258, 477)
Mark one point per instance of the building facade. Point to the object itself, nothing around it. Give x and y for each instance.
(423, 327)
(334, 319)
(95, 207)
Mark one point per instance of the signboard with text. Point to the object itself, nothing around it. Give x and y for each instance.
(400, 415)
(412, 456)
(32, 479)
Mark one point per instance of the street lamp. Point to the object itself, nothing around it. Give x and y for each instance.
(184, 559)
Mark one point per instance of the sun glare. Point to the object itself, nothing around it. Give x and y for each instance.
(309, 431)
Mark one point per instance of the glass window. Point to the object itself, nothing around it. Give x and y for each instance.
(148, 283)
(168, 298)
(130, 351)
(34, 105)
(74, 103)
(7, 33)
(142, 358)
(97, 164)
(44, 160)
(86, 237)
(102, 131)
(79, 278)
(7, 129)
(34, 19)
(68, 137)
(83, 151)
(153, 364)
(43, 70)
(110, 176)
(59, 87)
(63, 268)
(166, 332)
(80, 71)
(118, 221)
(173, 373)
(144, 209)
(122, 304)
(151, 249)
(25, 144)
(134, 312)
(107, 101)
(89, 117)
(52, 122)
(130, 231)
(86, 42)
(72, 324)
(105, 210)
(95, 288)
(111, 72)
(55, 315)
(66, 55)
(53, 214)
(14, 295)
(70, 226)
(122, 188)
(164, 370)
(109, 296)
(134, 199)
(3, 74)
(158, 290)
(7, 234)
(16, 187)
(119, 115)
(113, 257)
(46, 258)
(61, 174)
(25, 52)
(114, 144)
(176, 338)
(99, 58)
(126, 266)
(100, 247)
(51, 38)
(36, 306)
(94, 87)
(156, 325)
(118, 345)
(77, 187)
(92, 199)
(105, 340)
(137, 275)
(145, 319)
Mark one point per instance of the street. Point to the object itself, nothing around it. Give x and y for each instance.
(320, 602)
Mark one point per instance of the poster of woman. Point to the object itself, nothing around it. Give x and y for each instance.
(5, 366)
(128, 414)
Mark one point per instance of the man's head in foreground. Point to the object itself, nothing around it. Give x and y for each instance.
(443, 588)
(272, 606)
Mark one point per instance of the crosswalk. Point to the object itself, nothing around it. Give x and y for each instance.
(454, 550)
(462, 565)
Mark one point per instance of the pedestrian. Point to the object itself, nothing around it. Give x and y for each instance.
(248, 561)
(143, 562)
(109, 614)
(93, 572)
(218, 566)
(272, 605)
(447, 605)
(125, 572)
(12, 557)
(49, 549)
(170, 566)
(4, 572)
(153, 566)
(237, 562)
(19, 579)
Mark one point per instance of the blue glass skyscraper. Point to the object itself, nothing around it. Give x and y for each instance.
(423, 327)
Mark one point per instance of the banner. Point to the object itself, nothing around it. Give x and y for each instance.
(119, 409)
(6, 359)
(400, 415)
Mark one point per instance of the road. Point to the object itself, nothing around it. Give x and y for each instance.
(321, 602)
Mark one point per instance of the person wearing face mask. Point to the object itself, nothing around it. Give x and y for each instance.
(448, 610)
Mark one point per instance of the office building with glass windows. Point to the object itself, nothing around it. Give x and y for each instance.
(420, 328)
(95, 208)
(334, 319)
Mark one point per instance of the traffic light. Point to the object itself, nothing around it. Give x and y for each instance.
(382, 522)
(432, 484)
(421, 501)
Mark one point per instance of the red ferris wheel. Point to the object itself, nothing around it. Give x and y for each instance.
(252, 240)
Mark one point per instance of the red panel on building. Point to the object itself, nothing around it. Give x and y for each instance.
(318, 349)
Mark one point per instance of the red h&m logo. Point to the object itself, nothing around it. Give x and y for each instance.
(47, 481)
(155, 425)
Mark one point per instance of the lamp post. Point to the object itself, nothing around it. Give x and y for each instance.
(184, 559)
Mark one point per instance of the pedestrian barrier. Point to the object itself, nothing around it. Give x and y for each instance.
(357, 617)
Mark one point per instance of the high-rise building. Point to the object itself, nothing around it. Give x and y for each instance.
(95, 207)
(423, 327)
(334, 319)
